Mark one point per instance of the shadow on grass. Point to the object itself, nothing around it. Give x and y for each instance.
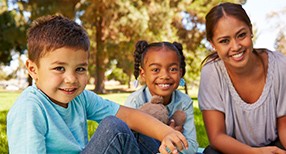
(3, 136)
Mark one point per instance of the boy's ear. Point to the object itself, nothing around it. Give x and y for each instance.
(142, 74)
(32, 69)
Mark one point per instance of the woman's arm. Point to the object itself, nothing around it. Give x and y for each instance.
(215, 127)
(281, 126)
(150, 126)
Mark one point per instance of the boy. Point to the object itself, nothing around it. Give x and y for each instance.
(51, 116)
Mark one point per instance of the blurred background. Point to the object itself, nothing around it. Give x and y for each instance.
(114, 26)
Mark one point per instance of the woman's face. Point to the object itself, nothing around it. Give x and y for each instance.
(232, 39)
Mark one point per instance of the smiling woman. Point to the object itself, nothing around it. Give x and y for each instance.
(240, 85)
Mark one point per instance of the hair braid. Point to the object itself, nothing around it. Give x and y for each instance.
(139, 50)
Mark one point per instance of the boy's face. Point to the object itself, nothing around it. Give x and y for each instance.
(61, 74)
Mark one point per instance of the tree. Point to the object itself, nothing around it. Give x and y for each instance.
(12, 35)
(115, 28)
(280, 43)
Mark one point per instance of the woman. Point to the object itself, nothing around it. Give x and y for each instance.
(242, 89)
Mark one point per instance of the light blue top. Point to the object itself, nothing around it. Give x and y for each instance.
(253, 124)
(180, 101)
(37, 125)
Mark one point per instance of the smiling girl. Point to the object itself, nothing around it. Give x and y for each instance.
(161, 65)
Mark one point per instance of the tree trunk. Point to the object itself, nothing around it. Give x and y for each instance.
(100, 58)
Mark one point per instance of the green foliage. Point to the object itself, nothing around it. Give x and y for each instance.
(3, 136)
(12, 35)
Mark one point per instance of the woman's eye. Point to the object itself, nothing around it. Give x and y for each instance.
(59, 68)
(224, 41)
(242, 35)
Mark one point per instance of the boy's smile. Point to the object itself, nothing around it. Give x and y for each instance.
(61, 74)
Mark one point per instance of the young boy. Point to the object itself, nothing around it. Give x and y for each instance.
(51, 116)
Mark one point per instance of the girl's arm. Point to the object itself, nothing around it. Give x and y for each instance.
(150, 126)
(215, 127)
(281, 126)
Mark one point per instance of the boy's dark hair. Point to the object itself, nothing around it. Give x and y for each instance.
(142, 47)
(52, 32)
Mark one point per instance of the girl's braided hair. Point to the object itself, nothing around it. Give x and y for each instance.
(142, 47)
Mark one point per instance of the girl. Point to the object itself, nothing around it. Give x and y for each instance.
(161, 66)
(242, 89)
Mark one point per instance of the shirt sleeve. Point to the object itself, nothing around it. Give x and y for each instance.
(97, 108)
(26, 128)
(190, 130)
(210, 88)
(281, 84)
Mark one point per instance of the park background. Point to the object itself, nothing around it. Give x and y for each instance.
(114, 26)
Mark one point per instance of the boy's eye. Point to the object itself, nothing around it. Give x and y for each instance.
(59, 68)
(81, 69)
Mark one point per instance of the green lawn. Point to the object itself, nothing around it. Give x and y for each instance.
(7, 99)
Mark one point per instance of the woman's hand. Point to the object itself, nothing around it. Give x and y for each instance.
(269, 150)
(173, 142)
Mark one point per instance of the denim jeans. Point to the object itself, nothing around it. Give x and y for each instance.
(147, 145)
(113, 136)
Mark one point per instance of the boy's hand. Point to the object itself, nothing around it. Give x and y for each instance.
(172, 124)
(173, 142)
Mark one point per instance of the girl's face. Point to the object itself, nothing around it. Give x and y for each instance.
(61, 74)
(161, 72)
(232, 41)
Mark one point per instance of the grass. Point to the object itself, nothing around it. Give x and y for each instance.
(7, 99)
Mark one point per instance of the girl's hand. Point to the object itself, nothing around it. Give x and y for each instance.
(173, 142)
(269, 150)
(172, 124)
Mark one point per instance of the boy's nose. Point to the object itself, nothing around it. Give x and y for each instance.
(70, 78)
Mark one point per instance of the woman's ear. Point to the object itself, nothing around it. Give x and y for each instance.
(32, 69)
(213, 46)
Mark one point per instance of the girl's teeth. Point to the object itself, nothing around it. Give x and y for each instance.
(164, 85)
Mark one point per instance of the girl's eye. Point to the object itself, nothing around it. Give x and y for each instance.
(174, 69)
(155, 70)
(81, 69)
(59, 68)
